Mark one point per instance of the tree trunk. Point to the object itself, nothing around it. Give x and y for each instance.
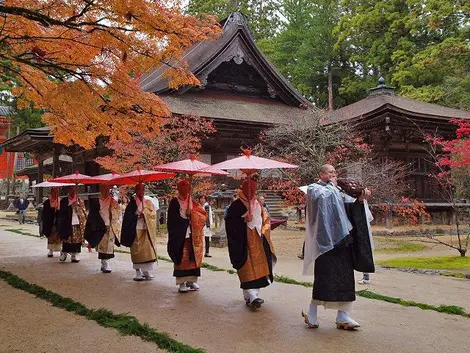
(462, 252)
(330, 89)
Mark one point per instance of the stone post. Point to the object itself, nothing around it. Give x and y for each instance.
(219, 238)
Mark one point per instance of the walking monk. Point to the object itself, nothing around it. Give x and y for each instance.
(50, 222)
(139, 232)
(249, 242)
(103, 227)
(72, 219)
(186, 221)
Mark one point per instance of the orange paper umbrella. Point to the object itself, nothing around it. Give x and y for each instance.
(141, 176)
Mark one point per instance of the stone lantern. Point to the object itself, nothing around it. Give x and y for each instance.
(222, 198)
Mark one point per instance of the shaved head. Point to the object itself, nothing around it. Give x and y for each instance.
(328, 173)
(325, 168)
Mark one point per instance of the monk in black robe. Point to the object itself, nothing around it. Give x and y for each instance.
(72, 219)
(139, 232)
(186, 221)
(337, 243)
(50, 222)
(249, 242)
(103, 227)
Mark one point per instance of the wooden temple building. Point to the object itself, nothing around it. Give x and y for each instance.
(244, 94)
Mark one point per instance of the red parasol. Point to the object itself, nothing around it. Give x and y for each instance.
(191, 167)
(249, 164)
(141, 176)
(51, 184)
(103, 179)
(75, 178)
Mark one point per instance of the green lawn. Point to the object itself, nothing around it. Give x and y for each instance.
(431, 263)
(393, 246)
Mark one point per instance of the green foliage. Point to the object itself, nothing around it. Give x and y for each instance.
(262, 15)
(125, 324)
(433, 263)
(419, 46)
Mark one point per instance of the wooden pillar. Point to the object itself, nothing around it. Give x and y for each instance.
(55, 163)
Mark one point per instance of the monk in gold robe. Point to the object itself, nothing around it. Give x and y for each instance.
(139, 232)
(249, 242)
(186, 221)
(103, 226)
(50, 222)
(72, 220)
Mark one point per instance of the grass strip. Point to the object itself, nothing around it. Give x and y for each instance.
(448, 309)
(22, 232)
(434, 263)
(125, 324)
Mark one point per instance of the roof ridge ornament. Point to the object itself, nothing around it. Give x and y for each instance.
(236, 19)
(381, 89)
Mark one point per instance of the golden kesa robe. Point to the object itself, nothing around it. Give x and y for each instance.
(142, 241)
(72, 235)
(186, 252)
(251, 254)
(105, 247)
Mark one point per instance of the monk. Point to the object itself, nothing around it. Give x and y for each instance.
(249, 241)
(50, 222)
(103, 227)
(72, 219)
(139, 232)
(186, 221)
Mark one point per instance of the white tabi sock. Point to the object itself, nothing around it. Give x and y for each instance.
(343, 317)
(312, 313)
(138, 273)
(250, 294)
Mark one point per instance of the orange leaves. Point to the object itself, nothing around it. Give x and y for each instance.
(79, 60)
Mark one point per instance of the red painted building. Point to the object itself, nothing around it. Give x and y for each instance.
(5, 157)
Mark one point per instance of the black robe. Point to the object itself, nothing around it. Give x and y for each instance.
(334, 270)
(177, 227)
(49, 218)
(65, 219)
(237, 239)
(95, 229)
(129, 223)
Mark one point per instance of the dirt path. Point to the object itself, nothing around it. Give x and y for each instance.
(215, 318)
(30, 325)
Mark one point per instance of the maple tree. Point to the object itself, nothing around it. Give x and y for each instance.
(177, 139)
(451, 159)
(81, 61)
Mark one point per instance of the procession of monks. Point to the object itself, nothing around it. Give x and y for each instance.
(336, 228)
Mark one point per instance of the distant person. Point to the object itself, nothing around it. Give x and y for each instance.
(263, 203)
(209, 223)
(21, 204)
